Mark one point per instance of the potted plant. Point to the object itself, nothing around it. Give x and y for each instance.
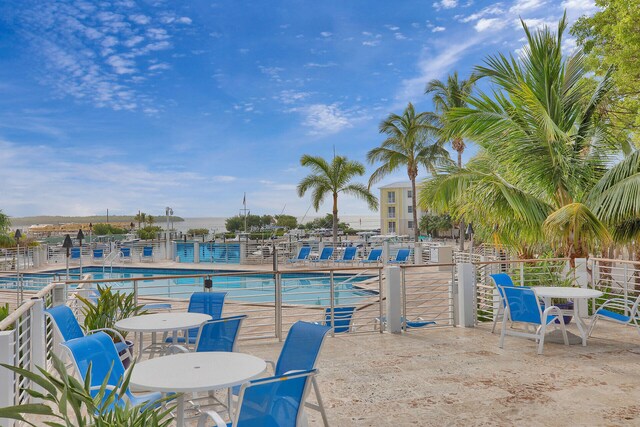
(108, 308)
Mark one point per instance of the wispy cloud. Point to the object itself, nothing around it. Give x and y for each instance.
(445, 4)
(489, 24)
(437, 29)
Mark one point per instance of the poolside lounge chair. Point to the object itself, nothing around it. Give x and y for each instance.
(342, 318)
(67, 325)
(325, 255)
(98, 352)
(147, 254)
(374, 257)
(303, 255)
(411, 324)
(277, 401)
(626, 312)
(125, 254)
(75, 254)
(300, 353)
(98, 254)
(499, 280)
(210, 303)
(348, 255)
(401, 257)
(523, 307)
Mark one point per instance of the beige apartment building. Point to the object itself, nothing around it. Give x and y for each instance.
(396, 215)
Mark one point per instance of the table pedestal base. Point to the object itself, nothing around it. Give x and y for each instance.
(556, 338)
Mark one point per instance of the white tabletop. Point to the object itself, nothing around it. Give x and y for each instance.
(162, 322)
(565, 292)
(193, 372)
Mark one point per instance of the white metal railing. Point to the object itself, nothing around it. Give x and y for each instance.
(615, 278)
(429, 294)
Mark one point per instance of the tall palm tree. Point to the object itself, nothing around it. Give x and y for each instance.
(406, 145)
(447, 95)
(545, 147)
(334, 178)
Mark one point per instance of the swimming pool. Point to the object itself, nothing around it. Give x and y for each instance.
(297, 288)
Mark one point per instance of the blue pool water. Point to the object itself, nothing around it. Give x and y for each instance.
(297, 288)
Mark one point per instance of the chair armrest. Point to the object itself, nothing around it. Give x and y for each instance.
(116, 333)
(215, 417)
(620, 302)
(173, 349)
(552, 309)
(272, 364)
(98, 387)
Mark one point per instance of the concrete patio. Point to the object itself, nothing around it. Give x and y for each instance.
(456, 376)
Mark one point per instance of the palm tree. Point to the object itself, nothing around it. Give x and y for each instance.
(446, 96)
(406, 145)
(5, 222)
(545, 147)
(334, 178)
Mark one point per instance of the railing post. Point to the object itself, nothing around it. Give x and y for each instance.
(7, 386)
(332, 303)
(38, 338)
(243, 252)
(394, 296)
(135, 292)
(196, 252)
(417, 253)
(522, 273)
(278, 289)
(581, 276)
(380, 296)
(385, 252)
(59, 294)
(466, 297)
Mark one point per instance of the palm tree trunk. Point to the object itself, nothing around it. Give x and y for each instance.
(415, 212)
(335, 219)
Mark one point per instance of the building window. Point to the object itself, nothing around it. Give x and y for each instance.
(409, 194)
(391, 212)
(392, 226)
(391, 197)
(410, 226)
(410, 209)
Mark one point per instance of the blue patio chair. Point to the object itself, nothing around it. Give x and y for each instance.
(125, 254)
(300, 353)
(325, 255)
(401, 257)
(620, 310)
(523, 307)
(348, 255)
(277, 401)
(98, 254)
(410, 324)
(67, 325)
(147, 254)
(98, 352)
(75, 253)
(499, 280)
(303, 255)
(210, 303)
(374, 257)
(342, 318)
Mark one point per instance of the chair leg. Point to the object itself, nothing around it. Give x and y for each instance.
(543, 330)
(495, 318)
(503, 331)
(316, 390)
(592, 325)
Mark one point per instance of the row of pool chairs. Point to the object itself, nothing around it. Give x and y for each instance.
(124, 254)
(348, 256)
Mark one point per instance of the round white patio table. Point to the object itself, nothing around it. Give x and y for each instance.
(195, 372)
(548, 293)
(161, 322)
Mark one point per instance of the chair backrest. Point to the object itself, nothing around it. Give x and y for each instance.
(98, 350)
(126, 252)
(301, 348)
(402, 255)
(342, 317)
(500, 280)
(275, 401)
(75, 253)
(304, 252)
(349, 253)
(523, 304)
(147, 251)
(375, 255)
(65, 322)
(326, 253)
(98, 253)
(219, 335)
(210, 303)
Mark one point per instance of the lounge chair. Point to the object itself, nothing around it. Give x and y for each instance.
(147, 254)
(410, 324)
(277, 401)
(374, 257)
(303, 255)
(523, 307)
(300, 353)
(348, 255)
(98, 254)
(125, 254)
(620, 310)
(75, 254)
(500, 279)
(67, 325)
(210, 303)
(98, 352)
(401, 257)
(325, 255)
(342, 318)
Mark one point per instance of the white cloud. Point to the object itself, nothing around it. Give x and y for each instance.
(272, 72)
(320, 65)
(445, 4)
(324, 119)
(400, 36)
(184, 20)
(535, 23)
(140, 19)
(437, 29)
(492, 24)
(121, 65)
(223, 178)
(577, 8)
(371, 42)
(160, 66)
(326, 34)
(490, 10)
(291, 96)
(392, 27)
(521, 6)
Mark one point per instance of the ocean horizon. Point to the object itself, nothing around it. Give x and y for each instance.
(217, 224)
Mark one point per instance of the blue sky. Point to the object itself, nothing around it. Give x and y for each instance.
(136, 105)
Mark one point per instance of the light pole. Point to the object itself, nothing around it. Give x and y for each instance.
(17, 236)
(80, 236)
(67, 244)
(90, 231)
(168, 212)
